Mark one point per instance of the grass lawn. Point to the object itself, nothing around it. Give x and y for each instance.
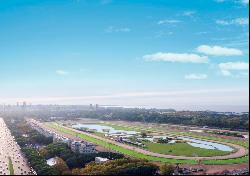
(244, 159)
(182, 149)
(11, 169)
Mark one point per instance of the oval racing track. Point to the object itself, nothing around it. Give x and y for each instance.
(241, 151)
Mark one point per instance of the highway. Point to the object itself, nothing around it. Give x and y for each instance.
(10, 151)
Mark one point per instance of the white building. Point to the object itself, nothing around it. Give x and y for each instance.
(52, 161)
(82, 147)
(99, 160)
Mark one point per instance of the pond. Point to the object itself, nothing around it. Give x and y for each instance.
(104, 129)
(207, 144)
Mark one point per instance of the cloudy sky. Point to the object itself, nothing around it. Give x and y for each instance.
(190, 54)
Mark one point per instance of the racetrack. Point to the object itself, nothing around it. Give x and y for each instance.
(240, 151)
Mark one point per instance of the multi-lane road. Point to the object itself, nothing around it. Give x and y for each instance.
(10, 153)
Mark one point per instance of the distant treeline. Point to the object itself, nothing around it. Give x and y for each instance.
(233, 122)
(195, 118)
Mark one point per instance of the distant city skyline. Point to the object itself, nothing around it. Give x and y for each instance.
(157, 53)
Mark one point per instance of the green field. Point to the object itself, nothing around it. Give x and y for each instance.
(182, 149)
(240, 160)
(11, 169)
(140, 155)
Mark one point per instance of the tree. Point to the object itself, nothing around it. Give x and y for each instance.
(44, 153)
(120, 167)
(61, 166)
(166, 169)
(143, 134)
(76, 171)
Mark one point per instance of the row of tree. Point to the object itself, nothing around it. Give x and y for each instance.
(118, 167)
(211, 119)
(38, 163)
(25, 135)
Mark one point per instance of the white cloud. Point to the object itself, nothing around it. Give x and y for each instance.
(201, 33)
(223, 22)
(62, 72)
(219, 1)
(188, 13)
(163, 34)
(196, 76)
(228, 67)
(244, 2)
(112, 29)
(236, 21)
(168, 21)
(176, 57)
(219, 51)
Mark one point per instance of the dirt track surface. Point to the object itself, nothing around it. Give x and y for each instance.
(216, 169)
(241, 151)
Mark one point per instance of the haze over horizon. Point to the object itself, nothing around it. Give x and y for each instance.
(163, 54)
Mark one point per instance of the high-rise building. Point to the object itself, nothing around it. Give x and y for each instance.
(91, 107)
(24, 105)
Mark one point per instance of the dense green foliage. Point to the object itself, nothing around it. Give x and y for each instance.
(186, 118)
(166, 169)
(24, 135)
(57, 149)
(38, 162)
(119, 167)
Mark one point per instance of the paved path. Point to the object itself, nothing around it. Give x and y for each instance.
(241, 151)
(10, 150)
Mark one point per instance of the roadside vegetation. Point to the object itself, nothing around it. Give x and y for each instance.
(38, 162)
(11, 168)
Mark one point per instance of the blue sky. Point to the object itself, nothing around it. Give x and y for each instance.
(157, 53)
